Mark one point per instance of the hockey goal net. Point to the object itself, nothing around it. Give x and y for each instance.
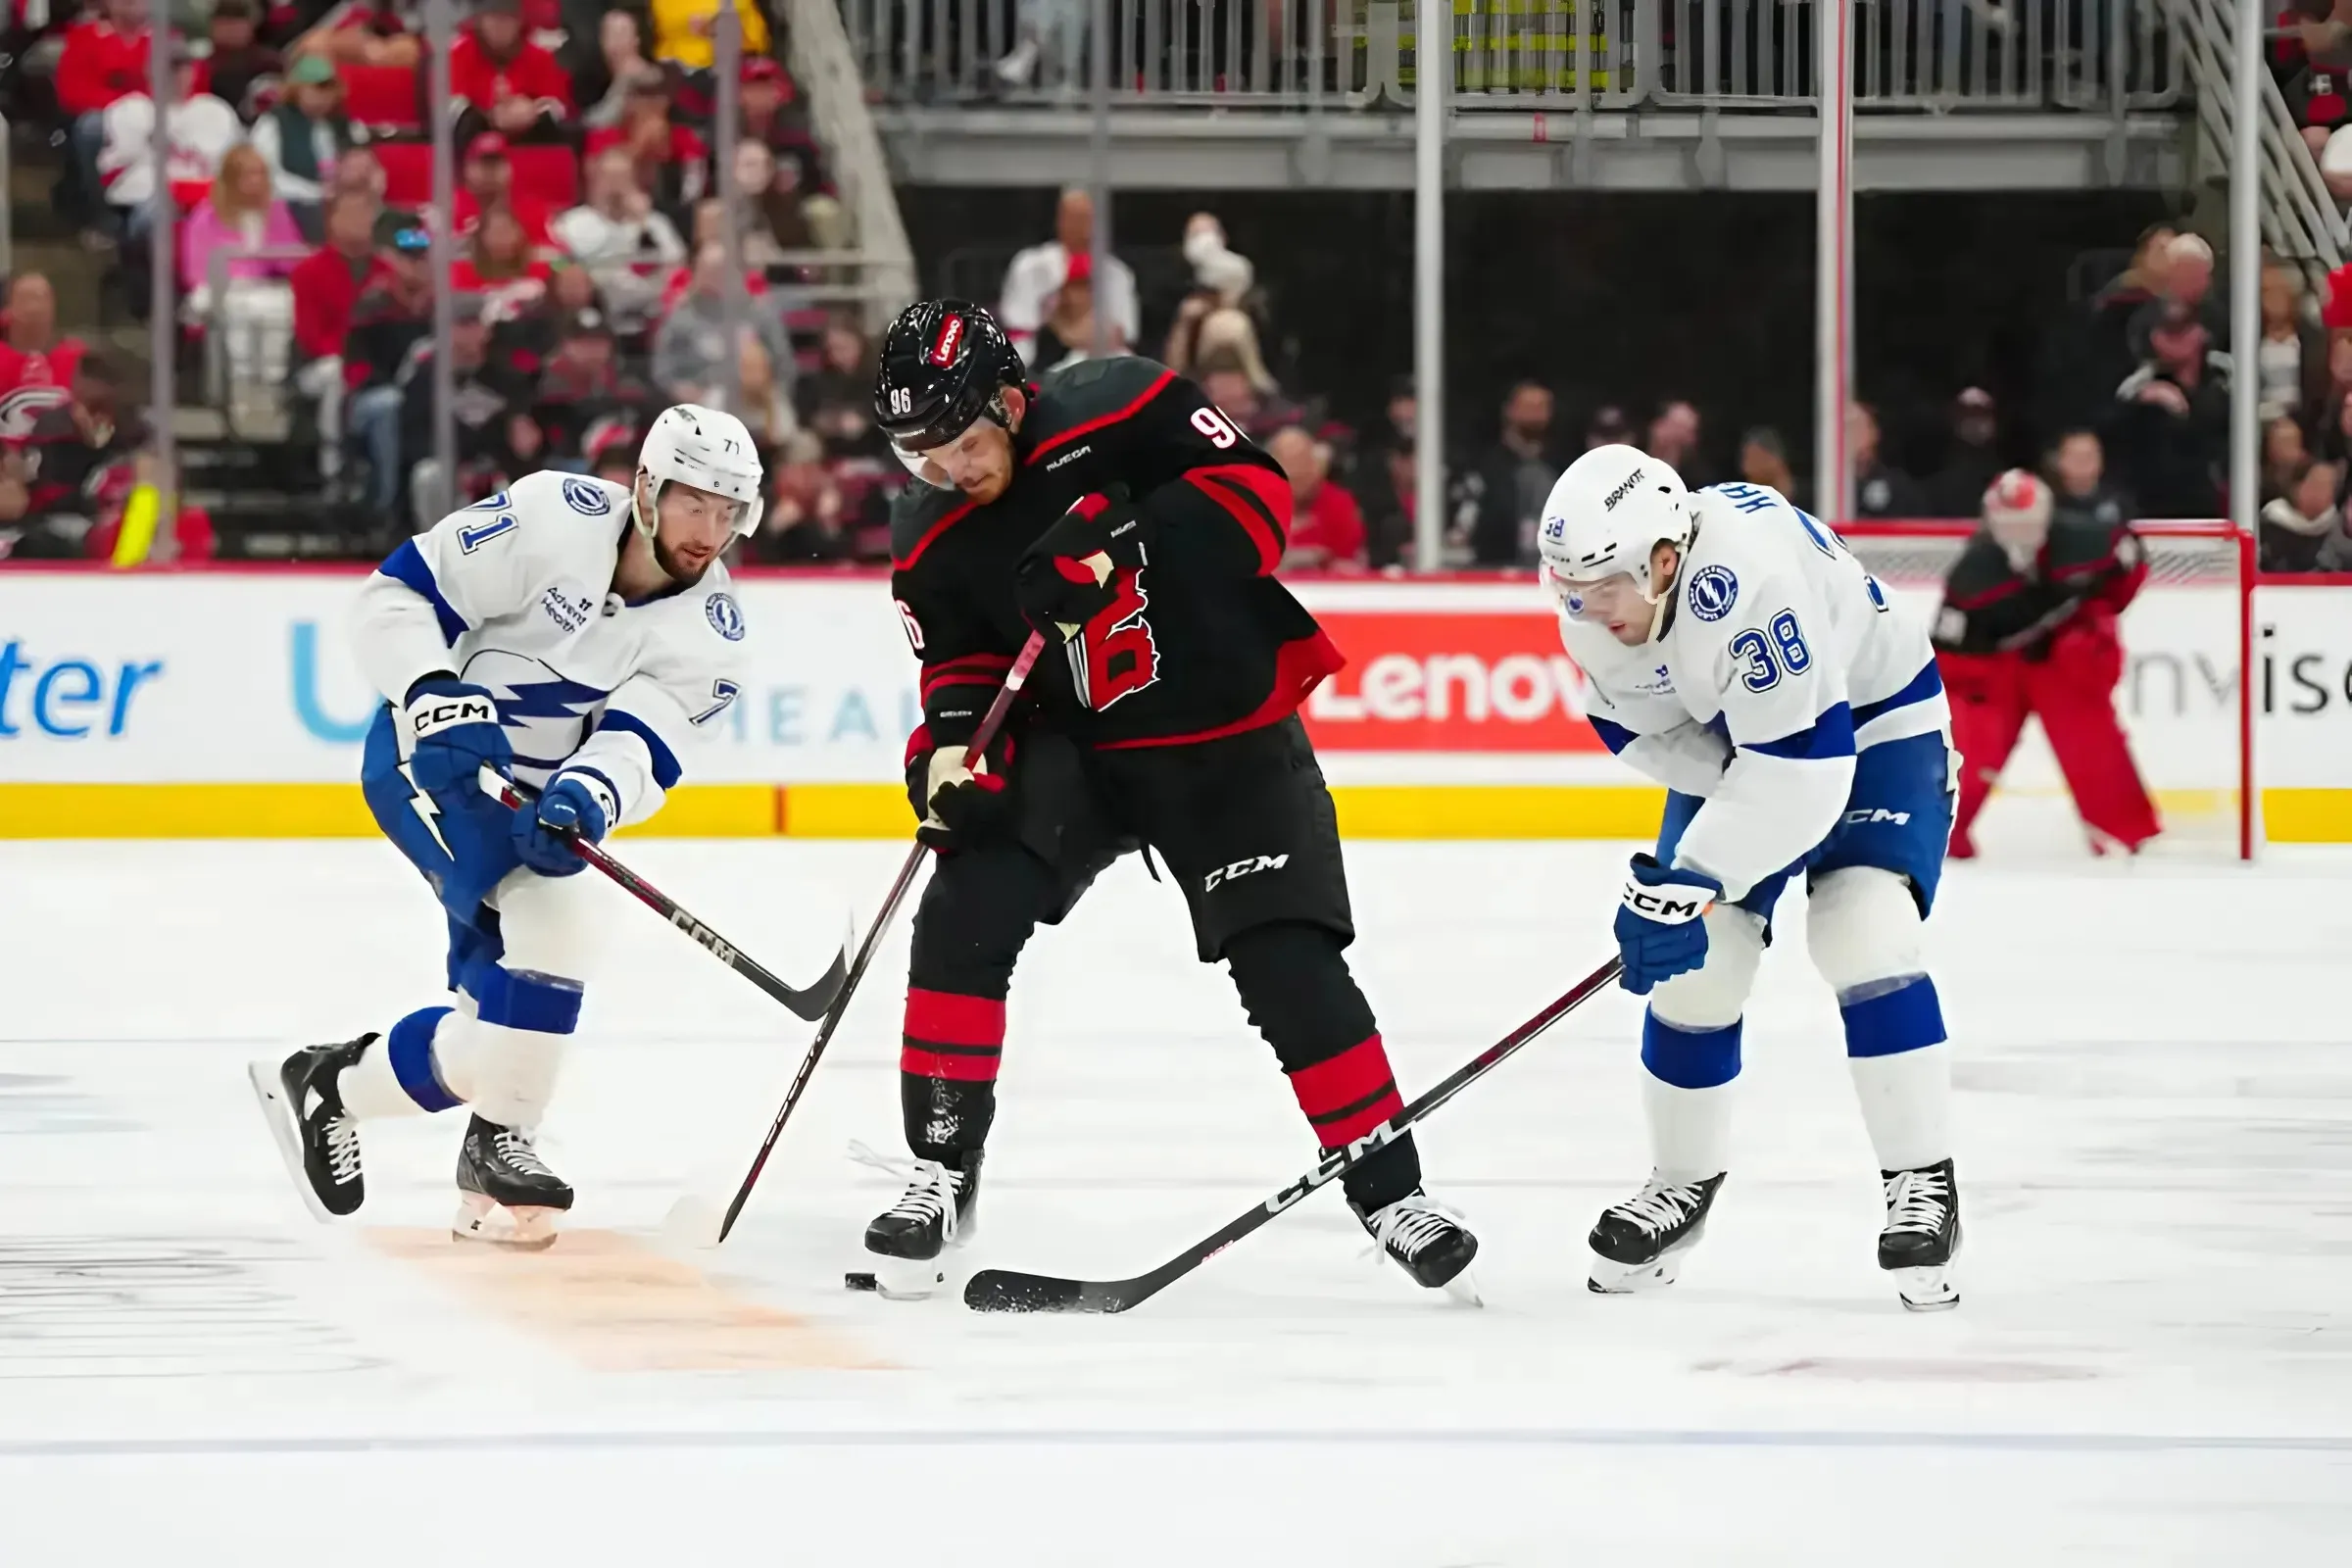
(2183, 699)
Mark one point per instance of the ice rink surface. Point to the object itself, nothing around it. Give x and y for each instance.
(2152, 1363)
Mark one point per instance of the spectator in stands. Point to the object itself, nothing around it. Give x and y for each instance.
(612, 447)
(672, 162)
(359, 170)
(2080, 492)
(1068, 332)
(767, 215)
(364, 33)
(836, 400)
(2095, 348)
(305, 137)
(1222, 281)
(601, 81)
(684, 31)
(390, 318)
(1675, 438)
(240, 214)
(526, 340)
(239, 58)
(499, 80)
(1327, 528)
(103, 59)
(2303, 530)
(764, 405)
(691, 350)
(497, 264)
(482, 399)
(584, 383)
(1972, 461)
(771, 119)
(1060, 26)
(1507, 487)
(36, 365)
(1385, 481)
(711, 228)
(626, 245)
(805, 506)
(2293, 356)
(489, 181)
(327, 286)
(71, 444)
(1036, 273)
(2283, 454)
(1764, 460)
(1245, 394)
(201, 130)
(1608, 427)
(2170, 427)
(1881, 490)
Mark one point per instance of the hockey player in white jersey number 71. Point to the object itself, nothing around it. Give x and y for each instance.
(573, 635)
(1741, 655)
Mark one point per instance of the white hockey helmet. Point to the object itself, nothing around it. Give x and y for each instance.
(1613, 507)
(708, 449)
(2017, 511)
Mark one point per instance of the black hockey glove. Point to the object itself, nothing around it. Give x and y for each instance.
(956, 807)
(1064, 579)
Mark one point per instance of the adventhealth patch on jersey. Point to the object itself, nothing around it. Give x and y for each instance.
(1713, 591)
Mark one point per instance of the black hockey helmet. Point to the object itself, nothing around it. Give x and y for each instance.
(945, 363)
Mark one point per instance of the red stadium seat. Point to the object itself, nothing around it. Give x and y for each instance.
(547, 172)
(408, 172)
(380, 95)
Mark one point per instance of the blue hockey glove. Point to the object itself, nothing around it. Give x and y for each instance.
(572, 806)
(457, 735)
(1659, 931)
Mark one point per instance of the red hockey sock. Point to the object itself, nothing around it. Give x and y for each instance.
(1346, 1096)
(953, 1037)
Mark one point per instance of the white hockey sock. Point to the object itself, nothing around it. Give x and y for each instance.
(514, 1073)
(1906, 1104)
(1689, 1129)
(409, 1071)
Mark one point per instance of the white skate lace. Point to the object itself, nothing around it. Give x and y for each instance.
(930, 1192)
(342, 1134)
(1660, 1205)
(1917, 1200)
(1411, 1223)
(514, 1146)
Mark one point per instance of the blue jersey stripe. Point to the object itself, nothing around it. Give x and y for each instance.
(1921, 686)
(407, 566)
(666, 761)
(1616, 737)
(1826, 739)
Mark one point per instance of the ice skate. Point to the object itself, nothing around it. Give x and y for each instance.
(1922, 1235)
(318, 1139)
(1428, 1240)
(909, 1241)
(507, 1195)
(1641, 1243)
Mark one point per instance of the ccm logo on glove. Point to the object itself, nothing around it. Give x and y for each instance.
(1667, 908)
(433, 717)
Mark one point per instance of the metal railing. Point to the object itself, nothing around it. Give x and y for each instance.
(2098, 55)
(2301, 220)
(824, 64)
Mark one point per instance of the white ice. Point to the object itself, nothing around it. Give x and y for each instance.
(2152, 1363)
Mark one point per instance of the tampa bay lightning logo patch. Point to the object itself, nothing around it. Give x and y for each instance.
(585, 498)
(1713, 591)
(726, 617)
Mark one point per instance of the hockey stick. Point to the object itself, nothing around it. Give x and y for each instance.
(810, 1002)
(997, 1289)
(990, 722)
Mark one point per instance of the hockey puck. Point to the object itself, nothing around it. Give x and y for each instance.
(856, 1281)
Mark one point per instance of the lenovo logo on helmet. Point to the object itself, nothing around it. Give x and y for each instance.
(950, 340)
(1625, 487)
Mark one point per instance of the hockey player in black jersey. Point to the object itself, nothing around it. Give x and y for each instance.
(1112, 508)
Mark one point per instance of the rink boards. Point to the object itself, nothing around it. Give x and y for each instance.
(226, 704)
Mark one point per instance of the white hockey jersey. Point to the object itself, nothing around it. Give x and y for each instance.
(1780, 661)
(516, 594)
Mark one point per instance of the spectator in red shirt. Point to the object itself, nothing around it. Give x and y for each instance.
(500, 80)
(497, 264)
(328, 282)
(672, 162)
(104, 59)
(1327, 527)
(489, 181)
(36, 365)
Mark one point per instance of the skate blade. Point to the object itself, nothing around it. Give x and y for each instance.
(525, 1229)
(279, 1114)
(1463, 1288)
(1609, 1277)
(909, 1279)
(1925, 1289)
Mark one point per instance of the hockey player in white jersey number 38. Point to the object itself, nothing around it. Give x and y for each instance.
(573, 636)
(1741, 655)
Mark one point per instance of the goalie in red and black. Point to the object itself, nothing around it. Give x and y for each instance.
(1110, 506)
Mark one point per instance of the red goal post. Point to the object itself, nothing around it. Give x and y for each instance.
(2199, 592)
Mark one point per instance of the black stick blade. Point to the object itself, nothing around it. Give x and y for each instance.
(818, 999)
(1001, 1289)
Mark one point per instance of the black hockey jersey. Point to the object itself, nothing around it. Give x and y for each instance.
(1201, 642)
(1990, 607)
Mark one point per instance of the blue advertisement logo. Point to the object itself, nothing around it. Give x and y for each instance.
(69, 699)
